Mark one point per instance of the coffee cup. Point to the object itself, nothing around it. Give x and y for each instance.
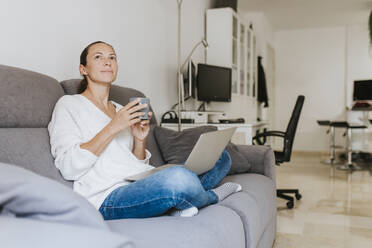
(146, 110)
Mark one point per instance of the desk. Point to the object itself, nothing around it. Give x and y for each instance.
(247, 129)
(361, 138)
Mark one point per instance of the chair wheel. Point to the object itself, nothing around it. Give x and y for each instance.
(290, 205)
(298, 196)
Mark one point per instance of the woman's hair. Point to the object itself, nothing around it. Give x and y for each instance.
(83, 61)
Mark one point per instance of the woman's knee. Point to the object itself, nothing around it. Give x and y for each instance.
(182, 181)
(225, 160)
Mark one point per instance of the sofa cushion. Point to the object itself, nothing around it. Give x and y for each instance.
(31, 233)
(177, 146)
(256, 204)
(261, 158)
(214, 226)
(118, 94)
(25, 194)
(27, 98)
(156, 158)
(29, 148)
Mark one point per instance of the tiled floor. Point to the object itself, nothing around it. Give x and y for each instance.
(333, 212)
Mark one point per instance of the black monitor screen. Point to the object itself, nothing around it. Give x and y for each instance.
(362, 90)
(214, 83)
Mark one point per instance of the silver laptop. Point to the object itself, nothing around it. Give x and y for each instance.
(203, 156)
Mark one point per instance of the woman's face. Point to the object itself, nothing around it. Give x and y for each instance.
(102, 66)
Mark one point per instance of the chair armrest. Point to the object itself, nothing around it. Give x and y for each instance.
(260, 138)
(261, 158)
(270, 133)
(275, 133)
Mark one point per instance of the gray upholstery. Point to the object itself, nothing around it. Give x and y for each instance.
(175, 147)
(28, 195)
(27, 98)
(261, 159)
(214, 226)
(245, 219)
(268, 237)
(21, 232)
(30, 149)
(152, 145)
(258, 196)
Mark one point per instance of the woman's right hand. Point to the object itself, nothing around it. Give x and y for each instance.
(127, 116)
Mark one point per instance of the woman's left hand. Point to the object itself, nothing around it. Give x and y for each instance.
(141, 129)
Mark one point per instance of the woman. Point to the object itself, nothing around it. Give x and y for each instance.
(96, 143)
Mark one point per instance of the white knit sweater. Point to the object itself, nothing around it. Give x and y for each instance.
(77, 120)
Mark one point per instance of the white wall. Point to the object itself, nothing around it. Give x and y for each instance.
(48, 37)
(359, 57)
(263, 30)
(321, 64)
(310, 62)
(359, 67)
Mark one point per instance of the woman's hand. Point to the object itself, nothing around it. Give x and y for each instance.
(127, 116)
(141, 129)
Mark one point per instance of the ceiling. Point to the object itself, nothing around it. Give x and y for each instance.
(296, 14)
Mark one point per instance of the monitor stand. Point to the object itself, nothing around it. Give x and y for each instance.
(202, 107)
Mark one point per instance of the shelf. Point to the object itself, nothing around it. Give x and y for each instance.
(234, 43)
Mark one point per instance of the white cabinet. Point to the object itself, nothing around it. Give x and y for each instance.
(233, 44)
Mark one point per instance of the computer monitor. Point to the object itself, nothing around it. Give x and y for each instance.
(226, 3)
(190, 81)
(362, 90)
(214, 83)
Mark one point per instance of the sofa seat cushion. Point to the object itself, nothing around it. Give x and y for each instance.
(214, 226)
(255, 204)
(29, 148)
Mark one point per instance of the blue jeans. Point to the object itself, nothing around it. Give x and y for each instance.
(174, 187)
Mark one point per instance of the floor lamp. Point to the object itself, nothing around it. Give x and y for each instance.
(180, 66)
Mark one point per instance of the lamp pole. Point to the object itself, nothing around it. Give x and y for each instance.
(205, 44)
(179, 64)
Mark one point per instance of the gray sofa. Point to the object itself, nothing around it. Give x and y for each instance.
(245, 219)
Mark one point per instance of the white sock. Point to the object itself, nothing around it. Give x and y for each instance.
(227, 189)
(188, 212)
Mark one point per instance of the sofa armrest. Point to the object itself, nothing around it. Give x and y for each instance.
(261, 158)
(27, 195)
(21, 232)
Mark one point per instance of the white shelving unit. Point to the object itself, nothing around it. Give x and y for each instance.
(233, 44)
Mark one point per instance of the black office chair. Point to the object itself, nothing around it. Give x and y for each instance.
(285, 154)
